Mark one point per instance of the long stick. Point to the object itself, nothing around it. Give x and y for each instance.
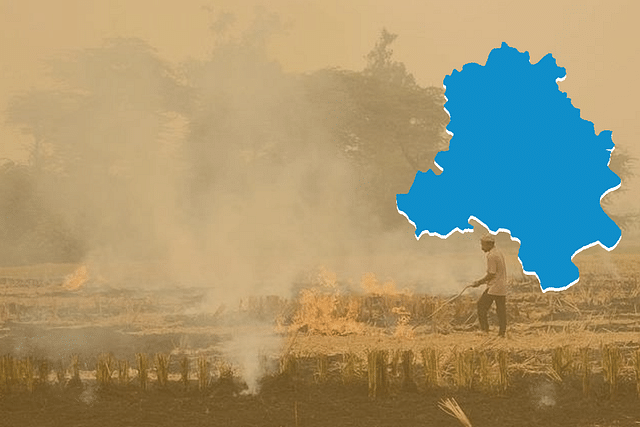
(445, 303)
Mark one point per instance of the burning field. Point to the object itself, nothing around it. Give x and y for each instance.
(81, 349)
(199, 224)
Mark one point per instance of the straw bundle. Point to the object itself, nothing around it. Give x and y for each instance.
(451, 407)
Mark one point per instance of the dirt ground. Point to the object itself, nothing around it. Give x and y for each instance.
(285, 403)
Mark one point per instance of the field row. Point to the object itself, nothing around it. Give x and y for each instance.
(599, 370)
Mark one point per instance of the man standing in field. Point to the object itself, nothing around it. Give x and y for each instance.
(496, 280)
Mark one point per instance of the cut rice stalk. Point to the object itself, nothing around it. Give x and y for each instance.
(451, 407)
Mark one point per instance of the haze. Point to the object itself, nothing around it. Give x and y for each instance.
(593, 40)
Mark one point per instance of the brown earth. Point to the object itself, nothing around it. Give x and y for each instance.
(527, 403)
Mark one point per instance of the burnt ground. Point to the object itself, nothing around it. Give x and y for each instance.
(531, 402)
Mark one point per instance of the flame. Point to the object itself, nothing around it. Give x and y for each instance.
(77, 279)
(370, 284)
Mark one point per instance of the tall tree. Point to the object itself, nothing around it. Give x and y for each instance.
(384, 122)
(382, 66)
(29, 231)
(98, 149)
(247, 120)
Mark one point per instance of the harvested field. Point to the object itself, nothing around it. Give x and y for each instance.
(77, 351)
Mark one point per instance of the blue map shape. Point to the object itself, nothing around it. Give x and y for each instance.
(520, 160)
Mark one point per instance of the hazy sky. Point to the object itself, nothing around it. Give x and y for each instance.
(596, 41)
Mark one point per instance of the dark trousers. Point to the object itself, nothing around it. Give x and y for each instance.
(484, 304)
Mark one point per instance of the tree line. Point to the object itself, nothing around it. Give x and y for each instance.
(126, 144)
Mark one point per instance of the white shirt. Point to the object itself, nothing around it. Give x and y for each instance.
(496, 265)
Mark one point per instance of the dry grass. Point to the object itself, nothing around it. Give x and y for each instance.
(585, 368)
(289, 365)
(408, 383)
(611, 359)
(561, 360)
(143, 367)
(395, 363)
(350, 363)
(104, 370)
(225, 371)
(27, 370)
(468, 369)
(43, 372)
(184, 371)
(75, 369)
(377, 361)
(162, 369)
(326, 311)
(503, 370)
(636, 369)
(483, 369)
(203, 372)
(60, 372)
(451, 407)
(553, 375)
(322, 368)
(430, 360)
(8, 372)
(464, 368)
(123, 372)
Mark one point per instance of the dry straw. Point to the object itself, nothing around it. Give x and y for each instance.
(636, 368)
(611, 359)
(7, 372)
(451, 407)
(75, 369)
(162, 369)
(27, 369)
(585, 368)
(395, 363)
(123, 372)
(349, 368)
(408, 383)
(184, 371)
(104, 369)
(43, 372)
(551, 373)
(464, 368)
(503, 373)
(289, 365)
(322, 368)
(377, 361)
(483, 368)
(143, 366)
(60, 372)
(430, 360)
(203, 372)
(225, 371)
(562, 360)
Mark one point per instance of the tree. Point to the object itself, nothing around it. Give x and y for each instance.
(386, 124)
(45, 116)
(97, 155)
(29, 231)
(381, 66)
(248, 120)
